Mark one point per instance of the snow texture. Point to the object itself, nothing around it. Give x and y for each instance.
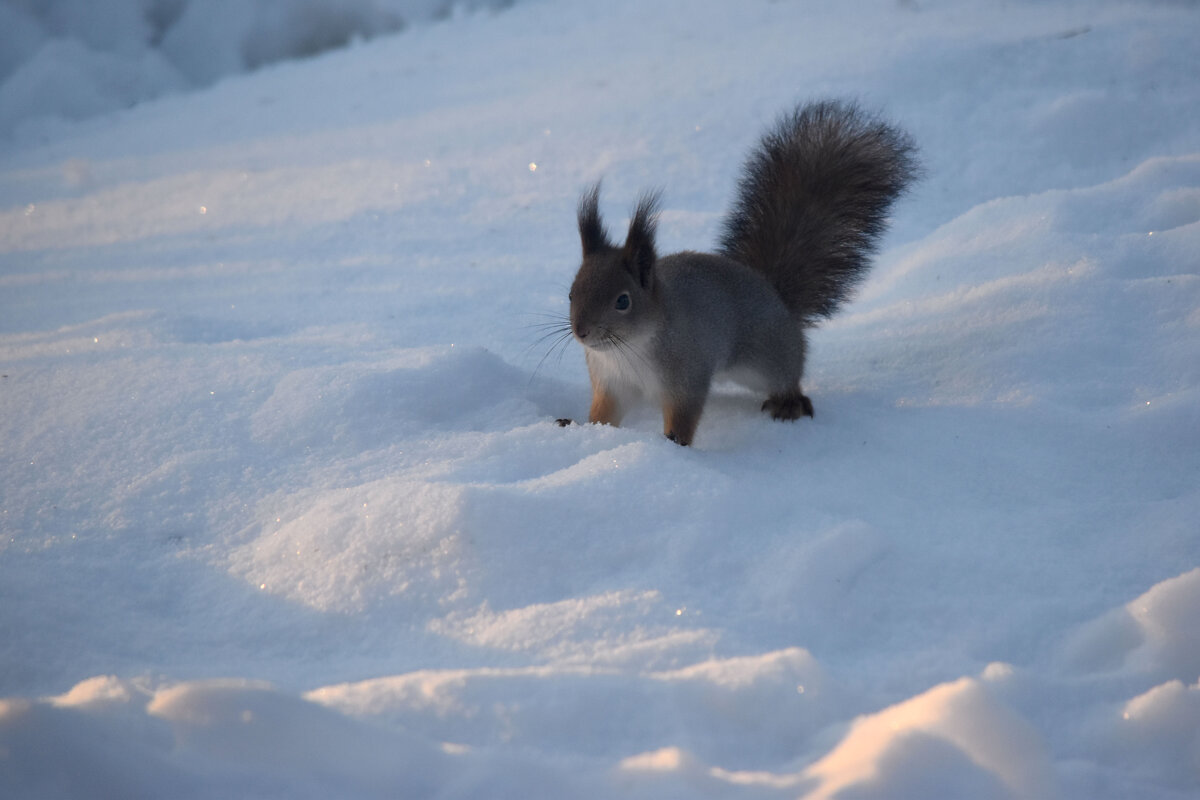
(284, 511)
(71, 59)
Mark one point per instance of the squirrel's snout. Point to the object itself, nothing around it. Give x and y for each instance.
(581, 331)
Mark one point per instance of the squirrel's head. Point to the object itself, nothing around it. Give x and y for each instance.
(612, 298)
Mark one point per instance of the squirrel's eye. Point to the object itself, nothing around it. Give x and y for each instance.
(623, 302)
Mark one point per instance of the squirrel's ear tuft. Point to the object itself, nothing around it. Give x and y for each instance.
(639, 243)
(591, 228)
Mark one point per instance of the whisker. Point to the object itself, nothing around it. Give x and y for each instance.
(551, 331)
(621, 351)
(556, 324)
(624, 347)
(552, 319)
(559, 345)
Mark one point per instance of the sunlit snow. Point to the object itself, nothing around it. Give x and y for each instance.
(284, 510)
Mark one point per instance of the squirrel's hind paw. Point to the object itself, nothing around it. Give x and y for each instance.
(790, 406)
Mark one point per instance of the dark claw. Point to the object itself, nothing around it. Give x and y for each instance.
(563, 422)
(788, 407)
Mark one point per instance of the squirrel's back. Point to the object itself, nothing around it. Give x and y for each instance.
(813, 202)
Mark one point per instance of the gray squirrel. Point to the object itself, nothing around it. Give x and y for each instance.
(810, 207)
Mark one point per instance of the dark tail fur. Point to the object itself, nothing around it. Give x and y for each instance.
(814, 200)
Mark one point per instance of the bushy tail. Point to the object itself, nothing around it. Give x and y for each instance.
(814, 200)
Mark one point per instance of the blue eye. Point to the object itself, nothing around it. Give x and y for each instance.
(623, 301)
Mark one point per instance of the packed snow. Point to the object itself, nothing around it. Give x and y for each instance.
(284, 511)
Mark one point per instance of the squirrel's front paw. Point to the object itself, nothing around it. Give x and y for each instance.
(563, 422)
(790, 406)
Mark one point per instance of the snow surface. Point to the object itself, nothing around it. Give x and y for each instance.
(284, 513)
(71, 59)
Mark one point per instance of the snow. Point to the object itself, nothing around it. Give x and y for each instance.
(284, 511)
(954, 740)
(71, 59)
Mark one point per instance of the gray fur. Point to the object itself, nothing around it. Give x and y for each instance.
(810, 207)
(813, 202)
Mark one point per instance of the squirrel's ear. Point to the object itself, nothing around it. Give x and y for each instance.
(591, 228)
(639, 244)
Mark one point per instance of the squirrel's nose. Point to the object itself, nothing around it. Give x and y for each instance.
(581, 331)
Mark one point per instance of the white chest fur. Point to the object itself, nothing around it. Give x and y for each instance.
(625, 370)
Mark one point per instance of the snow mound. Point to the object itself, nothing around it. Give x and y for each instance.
(65, 78)
(748, 711)
(955, 740)
(1159, 733)
(1158, 633)
(994, 280)
(275, 428)
(239, 724)
(113, 738)
(71, 59)
(351, 407)
(341, 549)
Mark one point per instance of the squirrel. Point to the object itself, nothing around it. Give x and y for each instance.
(811, 204)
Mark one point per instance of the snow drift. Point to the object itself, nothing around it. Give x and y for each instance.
(283, 510)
